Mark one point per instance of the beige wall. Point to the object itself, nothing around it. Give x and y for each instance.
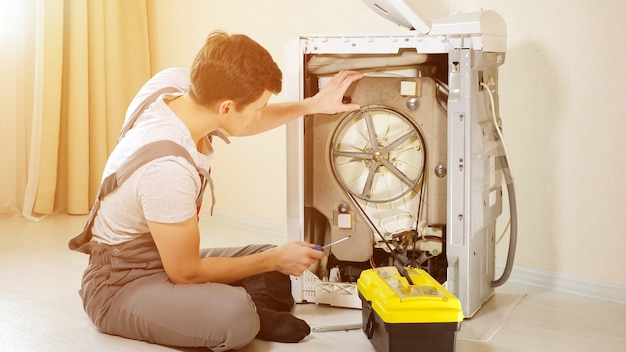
(562, 90)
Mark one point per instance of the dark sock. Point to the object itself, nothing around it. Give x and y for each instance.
(281, 326)
(268, 302)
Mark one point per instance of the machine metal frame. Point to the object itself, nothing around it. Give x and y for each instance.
(475, 44)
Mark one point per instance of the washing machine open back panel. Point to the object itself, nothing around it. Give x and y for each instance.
(389, 168)
(373, 172)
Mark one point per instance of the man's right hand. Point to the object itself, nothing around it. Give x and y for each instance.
(294, 258)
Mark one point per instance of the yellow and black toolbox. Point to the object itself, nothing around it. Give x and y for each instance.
(399, 316)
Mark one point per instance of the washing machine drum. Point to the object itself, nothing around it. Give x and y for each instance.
(382, 167)
(377, 155)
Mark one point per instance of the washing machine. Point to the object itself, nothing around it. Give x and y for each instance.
(415, 177)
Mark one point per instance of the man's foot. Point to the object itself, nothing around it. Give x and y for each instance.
(281, 326)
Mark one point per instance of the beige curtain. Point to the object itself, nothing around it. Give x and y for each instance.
(74, 66)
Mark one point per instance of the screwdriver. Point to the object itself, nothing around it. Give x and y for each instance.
(319, 247)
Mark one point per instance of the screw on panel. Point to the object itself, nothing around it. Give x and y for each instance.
(441, 171)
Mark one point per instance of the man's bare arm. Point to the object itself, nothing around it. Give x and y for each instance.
(329, 100)
(179, 247)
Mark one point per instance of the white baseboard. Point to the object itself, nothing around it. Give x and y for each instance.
(567, 283)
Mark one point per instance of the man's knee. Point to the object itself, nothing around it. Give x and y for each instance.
(241, 325)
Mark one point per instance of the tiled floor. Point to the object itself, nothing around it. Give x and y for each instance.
(41, 311)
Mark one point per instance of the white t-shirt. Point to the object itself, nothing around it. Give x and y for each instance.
(163, 190)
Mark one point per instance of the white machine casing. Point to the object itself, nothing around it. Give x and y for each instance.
(458, 195)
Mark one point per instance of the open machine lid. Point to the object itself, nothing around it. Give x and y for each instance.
(399, 12)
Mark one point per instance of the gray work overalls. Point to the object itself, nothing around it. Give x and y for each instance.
(126, 292)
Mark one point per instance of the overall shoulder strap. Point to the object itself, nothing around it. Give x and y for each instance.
(139, 158)
(143, 106)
